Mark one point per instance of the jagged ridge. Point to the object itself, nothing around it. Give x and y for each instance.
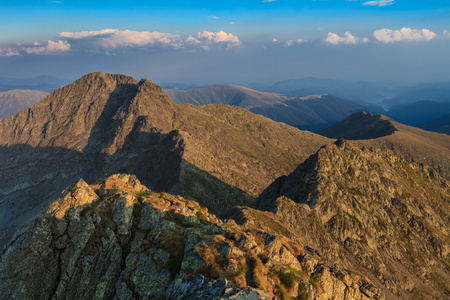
(372, 209)
(117, 239)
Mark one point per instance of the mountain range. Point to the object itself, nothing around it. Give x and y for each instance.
(40, 83)
(359, 91)
(311, 112)
(162, 200)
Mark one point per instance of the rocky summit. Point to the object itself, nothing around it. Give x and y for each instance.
(372, 210)
(119, 240)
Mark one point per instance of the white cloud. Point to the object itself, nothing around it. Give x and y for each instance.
(348, 38)
(274, 40)
(9, 52)
(87, 34)
(214, 17)
(51, 48)
(379, 3)
(404, 34)
(231, 22)
(109, 40)
(446, 33)
(113, 38)
(293, 42)
(207, 39)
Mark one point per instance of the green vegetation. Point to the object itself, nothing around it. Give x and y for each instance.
(314, 282)
(202, 218)
(263, 257)
(301, 293)
(288, 279)
(180, 220)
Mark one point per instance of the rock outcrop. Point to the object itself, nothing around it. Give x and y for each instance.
(119, 240)
(372, 210)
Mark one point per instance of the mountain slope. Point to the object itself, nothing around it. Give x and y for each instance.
(380, 131)
(382, 215)
(13, 101)
(103, 124)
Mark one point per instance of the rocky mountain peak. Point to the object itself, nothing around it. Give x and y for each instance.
(367, 201)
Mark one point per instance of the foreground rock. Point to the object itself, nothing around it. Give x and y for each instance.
(119, 240)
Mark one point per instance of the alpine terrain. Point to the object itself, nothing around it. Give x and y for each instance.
(109, 190)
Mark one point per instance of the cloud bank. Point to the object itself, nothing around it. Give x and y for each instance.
(348, 38)
(404, 34)
(109, 40)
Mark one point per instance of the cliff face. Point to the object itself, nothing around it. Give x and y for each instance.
(372, 210)
(119, 240)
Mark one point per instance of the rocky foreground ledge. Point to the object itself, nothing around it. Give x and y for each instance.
(119, 240)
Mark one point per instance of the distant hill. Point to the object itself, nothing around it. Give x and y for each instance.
(359, 91)
(11, 102)
(225, 94)
(310, 113)
(428, 115)
(41, 83)
(306, 113)
(441, 124)
(439, 92)
(379, 131)
(419, 113)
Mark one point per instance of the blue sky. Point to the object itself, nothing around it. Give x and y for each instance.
(392, 42)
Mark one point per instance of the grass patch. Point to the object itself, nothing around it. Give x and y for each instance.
(280, 292)
(263, 258)
(181, 220)
(301, 293)
(315, 283)
(288, 279)
(202, 218)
